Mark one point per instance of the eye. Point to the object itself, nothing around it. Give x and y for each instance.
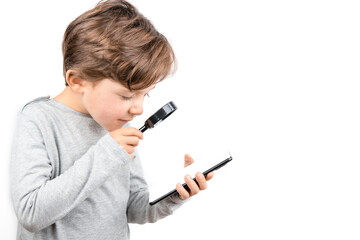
(147, 95)
(126, 98)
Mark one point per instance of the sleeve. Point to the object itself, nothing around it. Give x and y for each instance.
(139, 210)
(38, 200)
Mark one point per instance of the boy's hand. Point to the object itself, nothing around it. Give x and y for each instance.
(128, 138)
(194, 188)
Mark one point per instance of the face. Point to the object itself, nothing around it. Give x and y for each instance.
(112, 105)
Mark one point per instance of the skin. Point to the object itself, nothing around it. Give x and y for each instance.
(112, 105)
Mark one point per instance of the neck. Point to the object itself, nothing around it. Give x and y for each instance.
(71, 99)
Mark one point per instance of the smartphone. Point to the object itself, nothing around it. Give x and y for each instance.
(216, 167)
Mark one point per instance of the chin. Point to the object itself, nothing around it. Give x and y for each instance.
(113, 128)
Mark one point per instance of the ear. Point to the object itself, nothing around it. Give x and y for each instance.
(75, 83)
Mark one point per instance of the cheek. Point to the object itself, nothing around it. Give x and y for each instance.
(105, 108)
(95, 104)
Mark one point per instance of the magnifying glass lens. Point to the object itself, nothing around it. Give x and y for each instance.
(159, 116)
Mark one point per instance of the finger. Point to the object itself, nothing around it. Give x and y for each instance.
(209, 176)
(201, 181)
(188, 160)
(129, 149)
(133, 141)
(131, 131)
(182, 192)
(194, 188)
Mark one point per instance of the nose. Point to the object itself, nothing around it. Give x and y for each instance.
(137, 107)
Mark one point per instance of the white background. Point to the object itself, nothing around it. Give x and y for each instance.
(274, 82)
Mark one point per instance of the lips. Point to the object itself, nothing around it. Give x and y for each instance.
(124, 120)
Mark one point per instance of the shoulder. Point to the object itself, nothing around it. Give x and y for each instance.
(32, 118)
(35, 102)
(35, 109)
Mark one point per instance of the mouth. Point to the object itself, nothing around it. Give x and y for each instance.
(122, 120)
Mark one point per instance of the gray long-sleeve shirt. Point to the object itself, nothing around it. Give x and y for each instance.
(71, 180)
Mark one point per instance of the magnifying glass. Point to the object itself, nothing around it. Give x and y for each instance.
(159, 116)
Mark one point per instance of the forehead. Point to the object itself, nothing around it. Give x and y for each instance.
(109, 84)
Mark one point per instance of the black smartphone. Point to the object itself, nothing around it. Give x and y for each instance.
(216, 167)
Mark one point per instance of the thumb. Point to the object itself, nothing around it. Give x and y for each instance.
(188, 160)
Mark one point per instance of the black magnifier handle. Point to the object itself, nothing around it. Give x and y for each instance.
(159, 116)
(143, 128)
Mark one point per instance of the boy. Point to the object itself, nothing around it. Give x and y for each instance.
(75, 173)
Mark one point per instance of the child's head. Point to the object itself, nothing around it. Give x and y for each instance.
(114, 41)
(113, 56)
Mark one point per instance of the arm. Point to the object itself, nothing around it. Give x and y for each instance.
(139, 209)
(38, 199)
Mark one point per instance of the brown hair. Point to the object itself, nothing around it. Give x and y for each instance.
(113, 40)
